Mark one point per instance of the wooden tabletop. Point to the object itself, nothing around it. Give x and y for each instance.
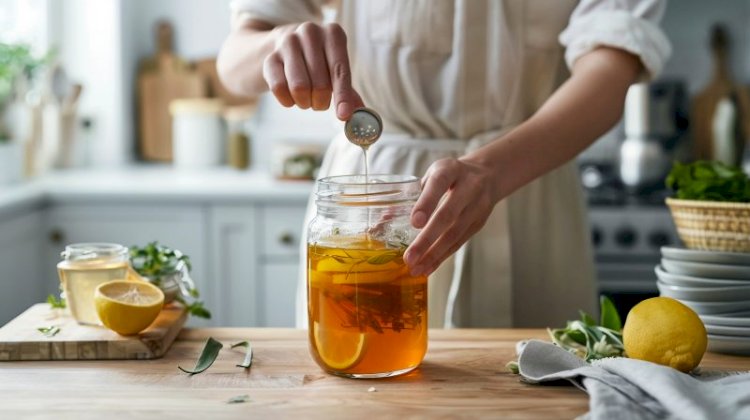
(463, 375)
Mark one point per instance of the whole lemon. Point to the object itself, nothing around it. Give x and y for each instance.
(664, 331)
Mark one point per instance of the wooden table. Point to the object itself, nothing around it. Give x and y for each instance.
(463, 375)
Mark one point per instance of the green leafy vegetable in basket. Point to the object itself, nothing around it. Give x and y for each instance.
(709, 181)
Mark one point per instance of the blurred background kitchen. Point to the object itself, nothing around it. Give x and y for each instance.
(115, 128)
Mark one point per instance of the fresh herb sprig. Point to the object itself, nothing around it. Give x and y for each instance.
(50, 331)
(55, 302)
(248, 360)
(709, 181)
(589, 340)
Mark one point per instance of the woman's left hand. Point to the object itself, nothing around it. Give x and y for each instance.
(457, 197)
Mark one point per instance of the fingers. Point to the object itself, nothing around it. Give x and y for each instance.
(439, 179)
(448, 244)
(313, 50)
(273, 72)
(345, 98)
(295, 70)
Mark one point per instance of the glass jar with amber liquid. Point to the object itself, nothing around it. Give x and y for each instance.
(367, 314)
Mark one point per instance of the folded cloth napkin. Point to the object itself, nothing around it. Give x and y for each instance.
(622, 388)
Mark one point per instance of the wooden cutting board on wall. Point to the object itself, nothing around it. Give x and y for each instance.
(161, 79)
(20, 339)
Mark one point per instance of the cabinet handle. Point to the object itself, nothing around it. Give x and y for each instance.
(56, 236)
(286, 238)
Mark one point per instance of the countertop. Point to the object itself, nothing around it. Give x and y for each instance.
(463, 375)
(161, 183)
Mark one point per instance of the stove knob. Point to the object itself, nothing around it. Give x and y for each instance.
(659, 239)
(597, 236)
(626, 237)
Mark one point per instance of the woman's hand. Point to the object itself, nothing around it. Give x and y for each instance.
(457, 197)
(308, 65)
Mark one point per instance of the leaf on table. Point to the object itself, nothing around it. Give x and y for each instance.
(50, 331)
(248, 361)
(206, 358)
(512, 366)
(239, 399)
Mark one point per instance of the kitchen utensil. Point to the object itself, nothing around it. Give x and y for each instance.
(655, 123)
(688, 281)
(712, 225)
(162, 79)
(729, 344)
(705, 103)
(706, 270)
(716, 308)
(705, 294)
(21, 340)
(197, 132)
(364, 127)
(712, 257)
(60, 86)
(724, 330)
(740, 320)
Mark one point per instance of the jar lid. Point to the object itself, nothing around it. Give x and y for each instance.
(93, 250)
(196, 106)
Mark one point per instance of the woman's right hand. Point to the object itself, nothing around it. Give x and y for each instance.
(308, 65)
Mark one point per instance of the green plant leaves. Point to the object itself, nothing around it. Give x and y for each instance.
(56, 303)
(248, 361)
(710, 181)
(383, 258)
(207, 357)
(50, 331)
(609, 316)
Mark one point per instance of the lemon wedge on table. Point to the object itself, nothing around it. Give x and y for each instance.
(128, 307)
(339, 349)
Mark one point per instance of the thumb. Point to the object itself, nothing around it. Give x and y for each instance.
(345, 98)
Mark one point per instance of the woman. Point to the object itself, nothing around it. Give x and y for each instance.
(476, 98)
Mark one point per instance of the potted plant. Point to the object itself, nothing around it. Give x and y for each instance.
(711, 207)
(169, 269)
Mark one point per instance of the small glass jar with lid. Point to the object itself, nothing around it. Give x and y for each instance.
(83, 268)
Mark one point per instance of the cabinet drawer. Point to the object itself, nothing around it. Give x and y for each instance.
(278, 291)
(282, 230)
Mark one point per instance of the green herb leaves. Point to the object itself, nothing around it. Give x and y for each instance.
(56, 303)
(590, 341)
(239, 399)
(207, 357)
(248, 361)
(50, 331)
(710, 181)
(211, 351)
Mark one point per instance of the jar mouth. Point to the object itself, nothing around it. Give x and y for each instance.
(92, 250)
(379, 190)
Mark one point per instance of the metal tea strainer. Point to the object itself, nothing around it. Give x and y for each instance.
(364, 127)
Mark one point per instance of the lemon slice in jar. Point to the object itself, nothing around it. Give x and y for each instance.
(339, 349)
(128, 307)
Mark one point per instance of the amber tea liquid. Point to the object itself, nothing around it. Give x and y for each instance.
(367, 314)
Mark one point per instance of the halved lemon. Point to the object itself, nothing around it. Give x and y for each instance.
(128, 307)
(339, 349)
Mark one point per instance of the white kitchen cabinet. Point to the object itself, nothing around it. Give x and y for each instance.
(234, 259)
(21, 252)
(278, 289)
(175, 225)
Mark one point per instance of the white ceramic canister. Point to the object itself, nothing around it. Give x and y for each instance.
(198, 139)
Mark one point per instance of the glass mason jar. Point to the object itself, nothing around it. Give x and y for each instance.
(367, 313)
(84, 267)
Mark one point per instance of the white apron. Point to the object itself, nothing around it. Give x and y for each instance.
(465, 73)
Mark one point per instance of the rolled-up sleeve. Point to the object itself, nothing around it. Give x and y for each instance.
(629, 25)
(276, 12)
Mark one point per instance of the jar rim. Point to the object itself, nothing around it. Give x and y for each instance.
(89, 250)
(380, 190)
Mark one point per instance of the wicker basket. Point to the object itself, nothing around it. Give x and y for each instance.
(712, 225)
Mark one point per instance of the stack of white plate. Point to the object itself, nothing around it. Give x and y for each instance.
(716, 285)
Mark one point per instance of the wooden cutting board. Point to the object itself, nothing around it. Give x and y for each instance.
(20, 339)
(162, 79)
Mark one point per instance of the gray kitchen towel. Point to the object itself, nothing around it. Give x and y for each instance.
(622, 388)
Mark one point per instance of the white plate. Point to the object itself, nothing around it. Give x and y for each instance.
(724, 330)
(729, 344)
(715, 308)
(705, 270)
(705, 294)
(689, 281)
(711, 257)
(741, 319)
